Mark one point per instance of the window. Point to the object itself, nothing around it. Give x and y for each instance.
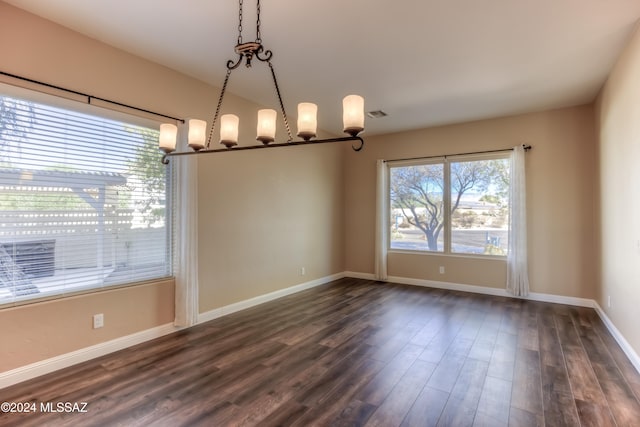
(83, 198)
(455, 205)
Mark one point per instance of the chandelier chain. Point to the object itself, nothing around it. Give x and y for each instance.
(353, 115)
(258, 35)
(284, 113)
(240, 22)
(215, 116)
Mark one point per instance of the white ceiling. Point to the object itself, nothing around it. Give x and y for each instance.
(424, 62)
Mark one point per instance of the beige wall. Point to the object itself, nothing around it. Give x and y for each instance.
(262, 215)
(39, 331)
(618, 155)
(560, 201)
(265, 217)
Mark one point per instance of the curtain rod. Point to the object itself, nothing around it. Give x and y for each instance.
(526, 148)
(89, 97)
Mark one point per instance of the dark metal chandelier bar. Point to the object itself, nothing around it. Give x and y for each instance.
(165, 158)
(353, 115)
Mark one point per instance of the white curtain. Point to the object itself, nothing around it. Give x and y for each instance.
(517, 268)
(186, 234)
(382, 221)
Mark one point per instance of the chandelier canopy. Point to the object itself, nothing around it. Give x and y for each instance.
(353, 112)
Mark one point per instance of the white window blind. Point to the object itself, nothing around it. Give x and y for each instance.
(83, 198)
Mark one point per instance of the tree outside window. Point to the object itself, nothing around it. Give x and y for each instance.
(474, 190)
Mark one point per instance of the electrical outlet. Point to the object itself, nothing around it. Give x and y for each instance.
(98, 321)
(608, 301)
(442, 269)
(303, 271)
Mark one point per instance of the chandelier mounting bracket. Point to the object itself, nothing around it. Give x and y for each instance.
(248, 51)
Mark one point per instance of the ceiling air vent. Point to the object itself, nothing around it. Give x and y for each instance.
(376, 114)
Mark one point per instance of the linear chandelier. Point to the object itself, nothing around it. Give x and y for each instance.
(353, 113)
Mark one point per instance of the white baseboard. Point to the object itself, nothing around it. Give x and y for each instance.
(357, 275)
(558, 299)
(46, 366)
(232, 308)
(622, 342)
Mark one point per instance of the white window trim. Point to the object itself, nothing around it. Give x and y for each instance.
(446, 162)
(81, 106)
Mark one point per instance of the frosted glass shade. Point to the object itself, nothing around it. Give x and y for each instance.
(307, 120)
(353, 114)
(229, 130)
(266, 126)
(197, 134)
(168, 136)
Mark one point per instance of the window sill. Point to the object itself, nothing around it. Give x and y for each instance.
(449, 255)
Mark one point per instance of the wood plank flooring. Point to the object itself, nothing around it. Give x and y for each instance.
(358, 353)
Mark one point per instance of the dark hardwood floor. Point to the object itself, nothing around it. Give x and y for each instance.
(353, 353)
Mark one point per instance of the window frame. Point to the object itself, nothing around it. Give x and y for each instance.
(446, 161)
(124, 117)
